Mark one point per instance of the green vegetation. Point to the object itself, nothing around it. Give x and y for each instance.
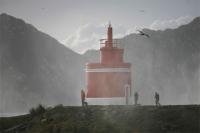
(111, 119)
(40, 109)
(9, 122)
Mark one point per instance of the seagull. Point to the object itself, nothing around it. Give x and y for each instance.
(143, 34)
(43, 8)
(142, 10)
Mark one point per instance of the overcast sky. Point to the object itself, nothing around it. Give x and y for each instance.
(80, 23)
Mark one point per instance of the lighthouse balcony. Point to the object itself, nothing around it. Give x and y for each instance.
(116, 44)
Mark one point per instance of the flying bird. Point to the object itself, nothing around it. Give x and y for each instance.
(143, 33)
(142, 10)
(43, 8)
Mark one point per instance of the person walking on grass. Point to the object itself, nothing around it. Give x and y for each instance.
(83, 98)
(136, 96)
(157, 98)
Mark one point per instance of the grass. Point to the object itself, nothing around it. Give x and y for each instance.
(111, 119)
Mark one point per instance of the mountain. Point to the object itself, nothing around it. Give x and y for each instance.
(167, 62)
(35, 68)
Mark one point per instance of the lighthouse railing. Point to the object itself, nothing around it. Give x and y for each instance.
(116, 43)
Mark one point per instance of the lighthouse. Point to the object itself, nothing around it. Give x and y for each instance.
(108, 82)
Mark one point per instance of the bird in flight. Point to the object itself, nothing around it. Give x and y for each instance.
(142, 10)
(143, 33)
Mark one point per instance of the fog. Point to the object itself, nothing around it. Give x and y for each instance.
(37, 69)
(167, 62)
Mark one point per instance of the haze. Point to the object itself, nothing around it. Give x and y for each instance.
(65, 20)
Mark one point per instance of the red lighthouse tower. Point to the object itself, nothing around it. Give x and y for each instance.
(109, 82)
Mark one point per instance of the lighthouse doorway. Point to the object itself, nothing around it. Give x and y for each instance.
(127, 90)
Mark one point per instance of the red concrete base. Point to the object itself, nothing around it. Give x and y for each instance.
(109, 101)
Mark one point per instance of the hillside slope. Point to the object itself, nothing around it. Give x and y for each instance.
(112, 119)
(35, 68)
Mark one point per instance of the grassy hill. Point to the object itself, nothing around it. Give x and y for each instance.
(108, 119)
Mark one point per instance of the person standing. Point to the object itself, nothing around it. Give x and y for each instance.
(157, 98)
(82, 97)
(136, 96)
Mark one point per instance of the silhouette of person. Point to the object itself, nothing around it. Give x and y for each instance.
(157, 98)
(136, 96)
(82, 97)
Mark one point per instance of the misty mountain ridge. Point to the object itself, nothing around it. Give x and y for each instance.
(36, 68)
(171, 59)
(33, 67)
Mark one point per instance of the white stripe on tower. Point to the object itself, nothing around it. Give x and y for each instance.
(107, 101)
(109, 70)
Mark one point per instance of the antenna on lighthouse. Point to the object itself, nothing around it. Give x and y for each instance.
(109, 36)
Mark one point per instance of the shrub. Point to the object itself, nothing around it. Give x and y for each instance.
(40, 109)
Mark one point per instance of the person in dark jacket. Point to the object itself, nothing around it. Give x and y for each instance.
(83, 98)
(157, 98)
(136, 96)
